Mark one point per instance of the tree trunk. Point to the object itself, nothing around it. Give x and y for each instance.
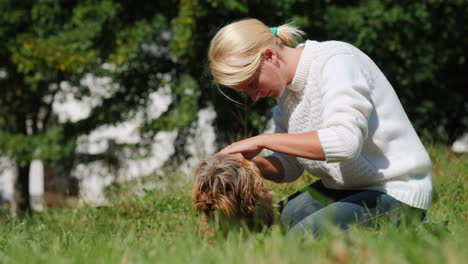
(23, 199)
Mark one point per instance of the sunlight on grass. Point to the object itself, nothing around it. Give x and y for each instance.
(159, 226)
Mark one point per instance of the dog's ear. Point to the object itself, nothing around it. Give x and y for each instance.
(249, 184)
(256, 200)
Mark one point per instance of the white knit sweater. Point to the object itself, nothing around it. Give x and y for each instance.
(368, 140)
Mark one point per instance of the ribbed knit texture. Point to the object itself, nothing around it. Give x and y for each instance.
(367, 138)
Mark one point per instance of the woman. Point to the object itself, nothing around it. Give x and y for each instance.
(337, 117)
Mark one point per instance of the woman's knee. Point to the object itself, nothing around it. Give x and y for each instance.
(299, 208)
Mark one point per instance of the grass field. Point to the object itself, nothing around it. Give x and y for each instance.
(159, 227)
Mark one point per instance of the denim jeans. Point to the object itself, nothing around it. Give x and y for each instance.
(313, 208)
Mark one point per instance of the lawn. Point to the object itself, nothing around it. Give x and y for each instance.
(160, 227)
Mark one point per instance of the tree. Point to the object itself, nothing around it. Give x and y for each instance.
(45, 44)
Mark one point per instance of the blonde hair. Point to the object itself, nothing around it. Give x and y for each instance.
(235, 52)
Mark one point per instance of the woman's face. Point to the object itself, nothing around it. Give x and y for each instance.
(267, 81)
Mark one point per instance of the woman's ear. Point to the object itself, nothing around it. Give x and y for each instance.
(269, 54)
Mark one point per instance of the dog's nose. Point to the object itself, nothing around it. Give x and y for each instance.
(209, 204)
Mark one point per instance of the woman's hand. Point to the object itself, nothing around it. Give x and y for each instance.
(249, 147)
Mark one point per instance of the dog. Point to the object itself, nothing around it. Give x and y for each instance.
(232, 188)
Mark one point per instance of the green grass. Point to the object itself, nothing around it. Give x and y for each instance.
(159, 227)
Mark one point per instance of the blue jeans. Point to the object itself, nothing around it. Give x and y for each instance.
(311, 209)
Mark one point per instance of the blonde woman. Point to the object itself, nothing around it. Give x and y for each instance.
(337, 117)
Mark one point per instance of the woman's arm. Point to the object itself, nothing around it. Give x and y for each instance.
(270, 168)
(306, 145)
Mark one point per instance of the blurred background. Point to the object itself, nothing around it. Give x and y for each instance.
(98, 92)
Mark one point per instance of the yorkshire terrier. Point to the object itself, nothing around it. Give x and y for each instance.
(231, 189)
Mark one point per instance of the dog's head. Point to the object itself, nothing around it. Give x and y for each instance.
(233, 187)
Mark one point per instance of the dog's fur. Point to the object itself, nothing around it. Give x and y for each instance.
(232, 187)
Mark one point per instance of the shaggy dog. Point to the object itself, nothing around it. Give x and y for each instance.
(229, 188)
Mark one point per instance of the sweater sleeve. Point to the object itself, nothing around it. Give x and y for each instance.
(292, 169)
(346, 106)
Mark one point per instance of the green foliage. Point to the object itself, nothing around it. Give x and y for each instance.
(46, 43)
(183, 110)
(419, 46)
(129, 40)
(46, 146)
(184, 28)
(53, 46)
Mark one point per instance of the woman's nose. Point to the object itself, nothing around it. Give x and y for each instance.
(255, 95)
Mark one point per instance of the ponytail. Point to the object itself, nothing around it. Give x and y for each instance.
(289, 34)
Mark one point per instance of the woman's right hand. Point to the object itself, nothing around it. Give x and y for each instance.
(249, 147)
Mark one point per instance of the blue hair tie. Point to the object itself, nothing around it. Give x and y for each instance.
(274, 30)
